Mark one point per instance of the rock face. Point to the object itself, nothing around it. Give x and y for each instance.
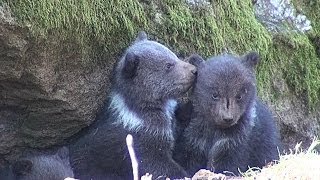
(46, 93)
(295, 122)
(296, 125)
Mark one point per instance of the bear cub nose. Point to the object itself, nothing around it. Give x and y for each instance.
(228, 120)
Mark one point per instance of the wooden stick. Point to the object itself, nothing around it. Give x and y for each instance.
(134, 162)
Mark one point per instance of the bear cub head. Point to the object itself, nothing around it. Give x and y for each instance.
(151, 70)
(225, 88)
(53, 167)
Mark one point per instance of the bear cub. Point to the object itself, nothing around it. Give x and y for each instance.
(39, 167)
(146, 83)
(229, 128)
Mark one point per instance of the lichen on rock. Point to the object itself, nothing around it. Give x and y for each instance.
(279, 15)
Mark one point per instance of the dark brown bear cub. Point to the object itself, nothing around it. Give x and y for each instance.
(146, 83)
(229, 129)
(40, 167)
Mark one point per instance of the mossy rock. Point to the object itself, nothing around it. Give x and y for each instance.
(110, 25)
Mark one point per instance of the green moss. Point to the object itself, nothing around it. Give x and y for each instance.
(111, 23)
(207, 30)
(299, 65)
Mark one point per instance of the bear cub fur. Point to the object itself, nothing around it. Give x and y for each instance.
(228, 127)
(146, 83)
(39, 167)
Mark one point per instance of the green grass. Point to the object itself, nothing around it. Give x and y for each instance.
(110, 26)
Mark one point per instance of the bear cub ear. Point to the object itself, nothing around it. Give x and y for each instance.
(22, 167)
(131, 62)
(141, 36)
(195, 60)
(251, 59)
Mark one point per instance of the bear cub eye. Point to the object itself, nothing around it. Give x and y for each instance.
(215, 96)
(169, 66)
(240, 96)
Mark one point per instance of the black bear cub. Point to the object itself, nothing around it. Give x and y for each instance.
(40, 167)
(146, 83)
(229, 129)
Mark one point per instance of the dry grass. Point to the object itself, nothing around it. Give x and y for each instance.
(298, 164)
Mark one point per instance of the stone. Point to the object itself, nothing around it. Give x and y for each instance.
(280, 15)
(46, 93)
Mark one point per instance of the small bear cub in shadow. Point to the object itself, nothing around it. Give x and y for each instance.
(229, 129)
(40, 167)
(146, 83)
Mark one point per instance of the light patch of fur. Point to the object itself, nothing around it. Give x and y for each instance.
(253, 114)
(130, 120)
(170, 107)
